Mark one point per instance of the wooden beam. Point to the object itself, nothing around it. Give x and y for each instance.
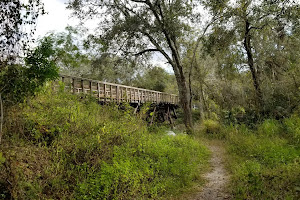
(73, 84)
(117, 94)
(104, 86)
(139, 96)
(90, 85)
(98, 91)
(170, 117)
(82, 86)
(111, 95)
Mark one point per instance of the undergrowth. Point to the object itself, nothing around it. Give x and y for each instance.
(265, 161)
(58, 146)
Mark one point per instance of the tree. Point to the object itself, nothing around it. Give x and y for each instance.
(242, 28)
(17, 20)
(78, 55)
(157, 79)
(138, 27)
(69, 52)
(112, 68)
(18, 82)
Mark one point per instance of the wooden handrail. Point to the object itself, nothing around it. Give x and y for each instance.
(109, 92)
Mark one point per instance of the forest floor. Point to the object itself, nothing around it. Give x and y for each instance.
(216, 178)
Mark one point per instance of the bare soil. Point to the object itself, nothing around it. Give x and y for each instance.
(217, 178)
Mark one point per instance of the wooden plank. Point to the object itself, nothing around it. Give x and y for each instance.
(121, 94)
(90, 85)
(170, 117)
(98, 91)
(82, 86)
(117, 94)
(110, 91)
(73, 85)
(139, 96)
(104, 92)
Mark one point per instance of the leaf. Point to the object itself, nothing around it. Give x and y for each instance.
(2, 159)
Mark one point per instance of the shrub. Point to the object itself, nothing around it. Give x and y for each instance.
(63, 147)
(210, 126)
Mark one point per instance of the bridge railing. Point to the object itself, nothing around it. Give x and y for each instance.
(111, 92)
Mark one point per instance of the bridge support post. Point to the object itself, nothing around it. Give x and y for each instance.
(73, 85)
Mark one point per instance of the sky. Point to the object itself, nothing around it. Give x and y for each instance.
(59, 17)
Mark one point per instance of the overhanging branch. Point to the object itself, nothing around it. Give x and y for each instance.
(145, 51)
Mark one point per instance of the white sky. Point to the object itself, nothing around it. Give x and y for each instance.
(57, 19)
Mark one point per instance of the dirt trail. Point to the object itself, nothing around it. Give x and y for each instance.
(217, 178)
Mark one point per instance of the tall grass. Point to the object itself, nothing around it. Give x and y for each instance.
(58, 146)
(264, 162)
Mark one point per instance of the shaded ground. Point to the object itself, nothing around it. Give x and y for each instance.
(217, 178)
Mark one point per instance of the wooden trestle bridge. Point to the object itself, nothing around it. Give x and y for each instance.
(111, 92)
(162, 104)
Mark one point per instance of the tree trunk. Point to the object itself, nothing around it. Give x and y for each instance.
(184, 97)
(1, 118)
(248, 48)
(204, 103)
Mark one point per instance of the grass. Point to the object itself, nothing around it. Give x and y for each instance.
(57, 146)
(264, 162)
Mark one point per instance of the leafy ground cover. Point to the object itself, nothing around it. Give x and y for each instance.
(264, 162)
(58, 146)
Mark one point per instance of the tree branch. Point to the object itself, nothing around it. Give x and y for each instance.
(145, 51)
(153, 41)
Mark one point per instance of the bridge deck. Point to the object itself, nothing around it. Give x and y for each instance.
(110, 92)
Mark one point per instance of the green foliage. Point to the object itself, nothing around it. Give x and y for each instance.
(264, 164)
(18, 82)
(292, 128)
(144, 170)
(58, 146)
(156, 79)
(269, 127)
(2, 159)
(210, 126)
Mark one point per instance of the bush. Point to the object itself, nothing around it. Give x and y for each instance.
(211, 127)
(60, 147)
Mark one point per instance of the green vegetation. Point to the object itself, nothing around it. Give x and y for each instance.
(59, 146)
(236, 71)
(264, 162)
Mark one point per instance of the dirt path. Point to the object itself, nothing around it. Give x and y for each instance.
(217, 177)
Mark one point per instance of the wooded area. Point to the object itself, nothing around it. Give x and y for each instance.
(233, 67)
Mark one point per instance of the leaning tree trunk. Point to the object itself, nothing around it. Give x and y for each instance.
(248, 48)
